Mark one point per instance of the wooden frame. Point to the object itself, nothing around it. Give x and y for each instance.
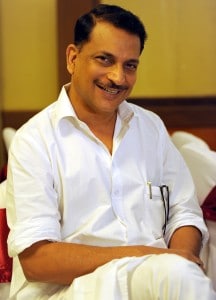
(182, 111)
(195, 112)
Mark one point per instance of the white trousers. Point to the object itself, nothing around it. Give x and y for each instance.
(152, 277)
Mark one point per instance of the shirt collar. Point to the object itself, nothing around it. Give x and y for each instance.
(63, 107)
(125, 112)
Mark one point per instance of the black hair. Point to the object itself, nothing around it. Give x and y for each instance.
(112, 14)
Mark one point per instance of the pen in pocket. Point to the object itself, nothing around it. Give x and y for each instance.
(149, 184)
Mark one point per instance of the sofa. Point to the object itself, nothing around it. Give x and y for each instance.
(201, 161)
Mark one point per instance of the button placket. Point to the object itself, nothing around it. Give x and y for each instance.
(116, 193)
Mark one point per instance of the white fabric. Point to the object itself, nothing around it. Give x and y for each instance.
(2, 194)
(142, 278)
(202, 165)
(201, 161)
(8, 134)
(170, 277)
(180, 138)
(212, 252)
(67, 187)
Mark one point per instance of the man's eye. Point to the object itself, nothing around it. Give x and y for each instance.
(131, 66)
(104, 60)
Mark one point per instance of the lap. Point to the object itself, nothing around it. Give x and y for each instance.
(136, 278)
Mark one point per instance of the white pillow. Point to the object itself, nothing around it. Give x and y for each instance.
(180, 138)
(202, 165)
(8, 134)
(2, 194)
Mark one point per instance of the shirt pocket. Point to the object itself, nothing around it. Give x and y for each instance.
(154, 211)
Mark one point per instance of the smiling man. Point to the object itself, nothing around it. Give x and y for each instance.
(109, 76)
(100, 203)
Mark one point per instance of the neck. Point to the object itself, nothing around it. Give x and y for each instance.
(102, 124)
(103, 127)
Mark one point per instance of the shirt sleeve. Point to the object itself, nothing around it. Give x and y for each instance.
(32, 202)
(184, 206)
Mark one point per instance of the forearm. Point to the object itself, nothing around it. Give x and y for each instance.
(63, 262)
(60, 262)
(187, 238)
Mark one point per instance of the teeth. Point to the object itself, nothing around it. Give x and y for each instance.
(111, 91)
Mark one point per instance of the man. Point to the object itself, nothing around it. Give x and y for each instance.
(100, 204)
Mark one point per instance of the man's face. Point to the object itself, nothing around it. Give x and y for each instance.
(103, 70)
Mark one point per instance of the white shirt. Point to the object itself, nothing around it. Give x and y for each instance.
(64, 185)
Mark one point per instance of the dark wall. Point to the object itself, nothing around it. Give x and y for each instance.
(68, 11)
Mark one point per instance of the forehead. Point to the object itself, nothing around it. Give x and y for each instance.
(107, 38)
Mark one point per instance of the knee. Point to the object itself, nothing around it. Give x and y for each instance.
(176, 267)
(169, 276)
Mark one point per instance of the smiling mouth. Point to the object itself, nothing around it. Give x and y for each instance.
(110, 90)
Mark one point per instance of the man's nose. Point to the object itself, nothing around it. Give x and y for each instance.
(117, 75)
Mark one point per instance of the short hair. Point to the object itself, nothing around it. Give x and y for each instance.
(113, 14)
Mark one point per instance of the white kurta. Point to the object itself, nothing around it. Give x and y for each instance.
(63, 185)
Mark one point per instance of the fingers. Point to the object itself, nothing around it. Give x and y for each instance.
(190, 256)
(200, 263)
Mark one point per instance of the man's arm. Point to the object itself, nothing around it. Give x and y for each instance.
(61, 263)
(187, 238)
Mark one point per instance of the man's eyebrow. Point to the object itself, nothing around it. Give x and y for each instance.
(106, 54)
(131, 60)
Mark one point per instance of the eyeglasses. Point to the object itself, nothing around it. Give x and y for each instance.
(164, 190)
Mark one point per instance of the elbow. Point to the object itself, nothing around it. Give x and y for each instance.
(32, 263)
(29, 271)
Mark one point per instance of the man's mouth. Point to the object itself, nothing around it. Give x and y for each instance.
(111, 89)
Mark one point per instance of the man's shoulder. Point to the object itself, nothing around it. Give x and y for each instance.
(141, 112)
(38, 125)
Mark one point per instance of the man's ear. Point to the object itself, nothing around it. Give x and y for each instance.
(71, 54)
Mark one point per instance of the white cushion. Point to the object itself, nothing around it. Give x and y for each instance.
(2, 194)
(8, 134)
(202, 165)
(180, 138)
(212, 251)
